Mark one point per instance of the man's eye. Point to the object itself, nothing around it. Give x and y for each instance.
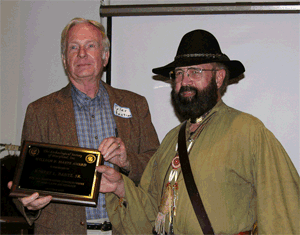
(178, 73)
(73, 47)
(194, 71)
(91, 45)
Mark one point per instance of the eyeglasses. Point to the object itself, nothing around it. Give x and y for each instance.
(192, 73)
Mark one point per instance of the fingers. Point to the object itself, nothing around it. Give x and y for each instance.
(114, 151)
(106, 170)
(111, 181)
(112, 147)
(109, 173)
(102, 169)
(33, 202)
(9, 184)
(27, 200)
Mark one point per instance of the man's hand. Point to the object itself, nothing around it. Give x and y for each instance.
(111, 181)
(114, 151)
(33, 202)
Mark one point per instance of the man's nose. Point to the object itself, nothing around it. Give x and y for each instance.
(81, 52)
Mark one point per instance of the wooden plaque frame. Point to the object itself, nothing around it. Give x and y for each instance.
(66, 173)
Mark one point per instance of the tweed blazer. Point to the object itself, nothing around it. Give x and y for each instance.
(51, 119)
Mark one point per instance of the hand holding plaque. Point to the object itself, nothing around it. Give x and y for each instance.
(66, 173)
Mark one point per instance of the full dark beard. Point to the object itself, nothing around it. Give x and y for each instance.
(199, 104)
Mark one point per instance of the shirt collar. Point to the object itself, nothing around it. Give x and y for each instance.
(82, 99)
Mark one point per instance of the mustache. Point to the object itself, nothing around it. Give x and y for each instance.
(187, 88)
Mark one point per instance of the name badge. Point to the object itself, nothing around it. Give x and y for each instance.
(122, 111)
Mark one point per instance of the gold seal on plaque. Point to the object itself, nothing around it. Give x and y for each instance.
(90, 158)
(34, 151)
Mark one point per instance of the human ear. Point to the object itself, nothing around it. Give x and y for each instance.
(220, 76)
(64, 61)
(105, 58)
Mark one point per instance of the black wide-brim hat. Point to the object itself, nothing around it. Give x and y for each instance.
(200, 47)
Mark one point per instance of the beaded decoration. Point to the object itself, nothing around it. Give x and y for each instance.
(170, 195)
(169, 198)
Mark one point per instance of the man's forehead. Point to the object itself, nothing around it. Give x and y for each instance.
(84, 31)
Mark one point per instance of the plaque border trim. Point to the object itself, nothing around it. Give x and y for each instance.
(17, 191)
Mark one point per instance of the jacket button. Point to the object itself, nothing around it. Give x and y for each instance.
(82, 223)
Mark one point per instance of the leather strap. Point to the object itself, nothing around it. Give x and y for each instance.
(191, 185)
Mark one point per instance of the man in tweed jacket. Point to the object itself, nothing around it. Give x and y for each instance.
(60, 118)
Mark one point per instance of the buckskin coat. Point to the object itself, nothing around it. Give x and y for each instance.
(51, 119)
(242, 172)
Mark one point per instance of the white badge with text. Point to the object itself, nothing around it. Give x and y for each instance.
(122, 111)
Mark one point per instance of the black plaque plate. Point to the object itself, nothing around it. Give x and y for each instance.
(66, 173)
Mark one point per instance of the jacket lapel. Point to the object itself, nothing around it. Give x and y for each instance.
(65, 117)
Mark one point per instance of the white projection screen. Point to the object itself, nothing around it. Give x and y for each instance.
(267, 45)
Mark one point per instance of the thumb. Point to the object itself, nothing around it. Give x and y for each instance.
(102, 169)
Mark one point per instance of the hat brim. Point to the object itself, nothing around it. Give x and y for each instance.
(235, 67)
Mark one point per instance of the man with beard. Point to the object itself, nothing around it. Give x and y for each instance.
(241, 172)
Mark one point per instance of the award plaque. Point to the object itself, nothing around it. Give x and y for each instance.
(66, 173)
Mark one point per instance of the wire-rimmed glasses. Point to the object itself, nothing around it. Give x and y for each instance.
(192, 72)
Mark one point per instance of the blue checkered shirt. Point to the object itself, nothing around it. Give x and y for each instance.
(94, 122)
